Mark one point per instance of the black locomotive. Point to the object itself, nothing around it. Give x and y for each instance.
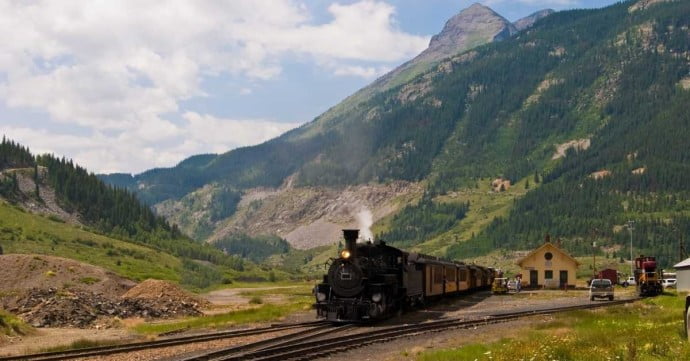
(372, 281)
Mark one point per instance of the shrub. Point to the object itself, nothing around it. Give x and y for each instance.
(89, 280)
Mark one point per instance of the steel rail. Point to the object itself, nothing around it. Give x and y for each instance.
(319, 348)
(137, 346)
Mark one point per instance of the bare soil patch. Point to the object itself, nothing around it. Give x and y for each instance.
(22, 272)
(156, 289)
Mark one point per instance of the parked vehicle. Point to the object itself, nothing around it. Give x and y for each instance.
(500, 286)
(629, 282)
(601, 288)
(669, 283)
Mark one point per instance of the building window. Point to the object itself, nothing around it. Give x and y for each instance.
(548, 275)
(548, 256)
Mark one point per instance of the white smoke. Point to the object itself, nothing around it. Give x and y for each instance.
(364, 221)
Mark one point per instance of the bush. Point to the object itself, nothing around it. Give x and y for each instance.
(256, 300)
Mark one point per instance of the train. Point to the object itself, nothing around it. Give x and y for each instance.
(647, 277)
(372, 281)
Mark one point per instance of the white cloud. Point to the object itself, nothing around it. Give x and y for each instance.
(125, 67)
(533, 2)
(367, 72)
(135, 152)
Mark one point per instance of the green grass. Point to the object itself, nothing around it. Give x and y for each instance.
(79, 344)
(295, 297)
(263, 313)
(22, 232)
(647, 330)
(485, 206)
(10, 325)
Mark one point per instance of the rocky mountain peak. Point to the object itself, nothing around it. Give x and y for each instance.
(476, 23)
(529, 20)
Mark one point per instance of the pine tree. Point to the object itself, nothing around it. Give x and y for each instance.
(38, 194)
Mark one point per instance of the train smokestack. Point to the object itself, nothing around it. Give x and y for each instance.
(351, 236)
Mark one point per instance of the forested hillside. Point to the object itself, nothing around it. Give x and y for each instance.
(636, 166)
(102, 208)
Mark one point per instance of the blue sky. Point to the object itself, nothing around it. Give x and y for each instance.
(129, 85)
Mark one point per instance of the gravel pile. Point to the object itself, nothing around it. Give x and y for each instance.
(53, 308)
(161, 290)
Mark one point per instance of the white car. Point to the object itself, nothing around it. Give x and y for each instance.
(668, 283)
(630, 281)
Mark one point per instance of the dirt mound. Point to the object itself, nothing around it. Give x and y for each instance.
(21, 272)
(161, 290)
(60, 308)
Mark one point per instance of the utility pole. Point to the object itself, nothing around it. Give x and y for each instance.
(594, 252)
(631, 225)
(681, 246)
(594, 258)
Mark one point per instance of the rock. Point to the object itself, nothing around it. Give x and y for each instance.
(50, 308)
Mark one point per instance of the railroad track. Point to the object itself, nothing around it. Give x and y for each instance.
(130, 347)
(308, 350)
(316, 340)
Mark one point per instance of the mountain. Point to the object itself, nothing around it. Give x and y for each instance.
(570, 127)
(309, 156)
(529, 20)
(477, 25)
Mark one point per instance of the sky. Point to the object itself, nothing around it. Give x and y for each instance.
(130, 85)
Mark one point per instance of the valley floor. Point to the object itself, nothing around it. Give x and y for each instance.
(263, 304)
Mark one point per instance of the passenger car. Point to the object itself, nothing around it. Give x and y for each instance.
(601, 288)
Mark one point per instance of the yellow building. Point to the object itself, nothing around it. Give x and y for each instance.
(548, 266)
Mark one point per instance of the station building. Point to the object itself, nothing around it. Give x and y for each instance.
(548, 267)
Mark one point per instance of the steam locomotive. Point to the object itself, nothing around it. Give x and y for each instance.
(372, 281)
(647, 277)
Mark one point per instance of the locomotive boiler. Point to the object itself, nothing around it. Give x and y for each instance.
(372, 281)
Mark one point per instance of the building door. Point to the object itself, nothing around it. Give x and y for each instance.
(564, 279)
(533, 278)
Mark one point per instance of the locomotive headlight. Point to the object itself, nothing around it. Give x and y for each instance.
(320, 296)
(376, 297)
(345, 254)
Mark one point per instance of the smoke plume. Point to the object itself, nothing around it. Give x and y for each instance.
(364, 222)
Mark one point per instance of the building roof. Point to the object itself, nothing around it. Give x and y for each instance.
(682, 264)
(545, 245)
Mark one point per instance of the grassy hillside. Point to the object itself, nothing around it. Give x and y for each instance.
(21, 232)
